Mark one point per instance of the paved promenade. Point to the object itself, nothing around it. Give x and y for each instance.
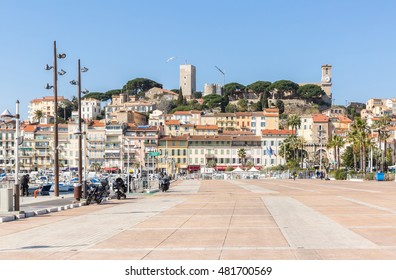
(211, 220)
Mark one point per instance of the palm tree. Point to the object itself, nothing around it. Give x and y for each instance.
(383, 135)
(336, 142)
(358, 136)
(96, 166)
(38, 114)
(294, 121)
(242, 154)
(301, 142)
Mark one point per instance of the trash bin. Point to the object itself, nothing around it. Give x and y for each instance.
(6, 203)
(77, 191)
(380, 176)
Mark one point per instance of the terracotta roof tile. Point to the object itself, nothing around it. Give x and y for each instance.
(320, 118)
(202, 127)
(172, 122)
(277, 132)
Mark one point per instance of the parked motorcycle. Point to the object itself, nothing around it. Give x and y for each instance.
(119, 188)
(164, 183)
(98, 192)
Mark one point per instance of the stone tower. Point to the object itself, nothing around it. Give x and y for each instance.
(326, 83)
(187, 79)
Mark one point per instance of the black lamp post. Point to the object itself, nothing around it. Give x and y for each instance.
(55, 87)
(78, 83)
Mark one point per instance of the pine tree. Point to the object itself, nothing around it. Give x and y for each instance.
(180, 98)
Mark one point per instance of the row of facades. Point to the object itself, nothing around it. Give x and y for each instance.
(185, 141)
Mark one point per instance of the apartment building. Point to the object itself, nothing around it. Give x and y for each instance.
(173, 154)
(272, 140)
(90, 108)
(45, 104)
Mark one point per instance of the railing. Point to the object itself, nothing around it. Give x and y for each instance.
(139, 186)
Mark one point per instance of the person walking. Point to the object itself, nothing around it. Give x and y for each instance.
(25, 185)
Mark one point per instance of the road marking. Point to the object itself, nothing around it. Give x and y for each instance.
(306, 228)
(368, 204)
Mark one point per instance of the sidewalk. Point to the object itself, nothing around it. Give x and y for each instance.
(31, 206)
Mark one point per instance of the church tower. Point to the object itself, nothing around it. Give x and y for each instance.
(326, 83)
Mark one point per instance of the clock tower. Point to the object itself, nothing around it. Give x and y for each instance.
(326, 83)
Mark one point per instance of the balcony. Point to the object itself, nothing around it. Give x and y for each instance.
(112, 155)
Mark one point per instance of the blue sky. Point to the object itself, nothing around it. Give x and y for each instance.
(269, 40)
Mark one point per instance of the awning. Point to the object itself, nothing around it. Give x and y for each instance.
(194, 167)
(110, 168)
(221, 168)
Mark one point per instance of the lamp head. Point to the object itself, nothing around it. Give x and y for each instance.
(62, 72)
(47, 67)
(84, 69)
(74, 82)
(48, 86)
(62, 55)
(85, 91)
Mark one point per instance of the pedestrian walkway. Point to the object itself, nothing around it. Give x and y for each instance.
(32, 206)
(218, 220)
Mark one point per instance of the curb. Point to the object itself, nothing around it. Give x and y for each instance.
(33, 213)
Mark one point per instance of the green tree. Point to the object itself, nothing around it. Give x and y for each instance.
(336, 142)
(242, 155)
(283, 88)
(242, 105)
(280, 105)
(180, 97)
(211, 163)
(74, 102)
(294, 121)
(38, 114)
(212, 101)
(233, 89)
(311, 93)
(358, 136)
(100, 95)
(65, 109)
(231, 108)
(383, 134)
(139, 86)
(259, 87)
(197, 94)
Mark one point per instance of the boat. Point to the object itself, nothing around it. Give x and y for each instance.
(63, 187)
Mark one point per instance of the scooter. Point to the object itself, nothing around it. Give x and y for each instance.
(164, 184)
(98, 193)
(119, 188)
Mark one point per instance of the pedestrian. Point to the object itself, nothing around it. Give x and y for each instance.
(25, 185)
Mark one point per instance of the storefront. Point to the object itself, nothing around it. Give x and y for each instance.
(193, 168)
(110, 169)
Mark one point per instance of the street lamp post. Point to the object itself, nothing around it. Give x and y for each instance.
(7, 114)
(78, 83)
(55, 87)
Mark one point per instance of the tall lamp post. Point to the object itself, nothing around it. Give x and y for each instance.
(78, 84)
(55, 87)
(5, 115)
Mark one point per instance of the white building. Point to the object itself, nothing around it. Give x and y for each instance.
(46, 105)
(90, 108)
